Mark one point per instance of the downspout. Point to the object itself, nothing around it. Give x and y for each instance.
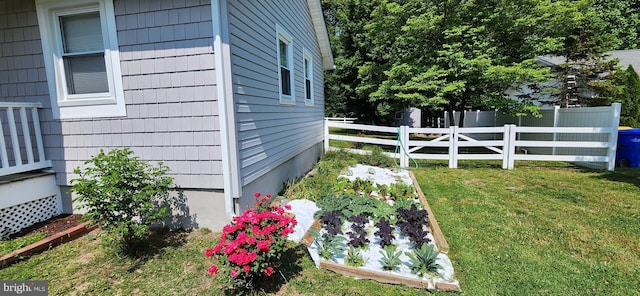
(224, 92)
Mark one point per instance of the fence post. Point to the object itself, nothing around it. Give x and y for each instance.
(453, 147)
(556, 117)
(446, 119)
(326, 135)
(404, 141)
(506, 146)
(512, 146)
(613, 136)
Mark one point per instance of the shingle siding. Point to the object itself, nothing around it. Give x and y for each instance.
(22, 75)
(270, 133)
(168, 74)
(166, 52)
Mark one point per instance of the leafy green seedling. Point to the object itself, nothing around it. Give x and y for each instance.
(390, 258)
(424, 260)
(354, 258)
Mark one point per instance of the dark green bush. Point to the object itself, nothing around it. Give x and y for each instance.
(123, 194)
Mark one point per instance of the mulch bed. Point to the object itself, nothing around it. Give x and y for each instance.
(58, 230)
(52, 226)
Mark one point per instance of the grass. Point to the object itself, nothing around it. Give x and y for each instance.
(540, 229)
(8, 246)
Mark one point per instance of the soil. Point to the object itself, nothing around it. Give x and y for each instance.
(52, 226)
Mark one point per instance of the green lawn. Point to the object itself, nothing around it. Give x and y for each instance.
(540, 229)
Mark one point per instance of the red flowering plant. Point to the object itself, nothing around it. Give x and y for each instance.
(251, 246)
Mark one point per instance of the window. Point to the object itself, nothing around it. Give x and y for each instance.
(83, 54)
(308, 79)
(81, 58)
(285, 67)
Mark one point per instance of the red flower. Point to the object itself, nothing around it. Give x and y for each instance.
(250, 242)
(263, 245)
(213, 269)
(252, 256)
(286, 231)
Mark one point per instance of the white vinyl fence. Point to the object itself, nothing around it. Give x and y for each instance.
(594, 146)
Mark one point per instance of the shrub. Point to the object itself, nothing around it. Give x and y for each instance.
(251, 246)
(123, 194)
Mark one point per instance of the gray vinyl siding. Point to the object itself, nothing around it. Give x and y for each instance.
(22, 73)
(270, 133)
(168, 74)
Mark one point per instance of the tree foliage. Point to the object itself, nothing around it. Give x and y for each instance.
(586, 70)
(345, 21)
(630, 98)
(622, 20)
(455, 54)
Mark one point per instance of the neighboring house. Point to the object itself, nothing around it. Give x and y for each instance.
(630, 57)
(625, 58)
(410, 116)
(227, 93)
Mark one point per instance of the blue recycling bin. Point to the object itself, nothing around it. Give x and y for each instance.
(628, 152)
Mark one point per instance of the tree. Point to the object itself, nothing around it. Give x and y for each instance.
(630, 98)
(456, 54)
(446, 55)
(622, 20)
(586, 73)
(345, 22)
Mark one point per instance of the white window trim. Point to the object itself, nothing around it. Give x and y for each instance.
(282, 34)
(65, 106)
(306, 56)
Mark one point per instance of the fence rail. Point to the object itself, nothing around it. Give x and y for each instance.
(21, 146)
(488, 143)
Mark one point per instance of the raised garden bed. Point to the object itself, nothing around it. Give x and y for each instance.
(57, 230)
(365, 257)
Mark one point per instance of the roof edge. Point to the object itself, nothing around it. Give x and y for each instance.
(320, 27)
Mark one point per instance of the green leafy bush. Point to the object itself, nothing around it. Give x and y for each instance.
(123, 194)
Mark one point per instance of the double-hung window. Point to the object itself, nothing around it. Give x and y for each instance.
(308, 78)
(285, 66)
(81, 58)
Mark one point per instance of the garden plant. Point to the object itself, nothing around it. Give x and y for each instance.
(124, 195)
(251, 246)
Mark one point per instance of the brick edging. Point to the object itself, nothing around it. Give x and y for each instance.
(46, 243)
